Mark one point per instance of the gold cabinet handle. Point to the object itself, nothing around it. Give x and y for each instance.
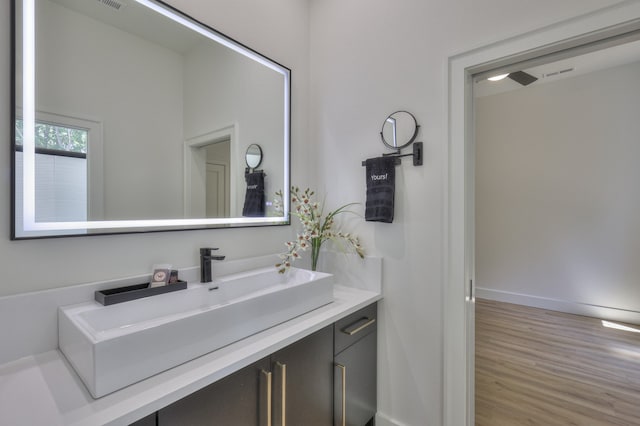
(343, 408)
(357, 327)
(283, 401)
(267, 375)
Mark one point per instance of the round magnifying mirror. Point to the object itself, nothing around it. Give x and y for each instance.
(253, 156)
(400, 129)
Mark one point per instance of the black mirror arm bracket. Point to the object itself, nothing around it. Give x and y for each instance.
(417, 155)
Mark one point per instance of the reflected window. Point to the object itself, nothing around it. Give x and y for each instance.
(56, 137)
(61, 171)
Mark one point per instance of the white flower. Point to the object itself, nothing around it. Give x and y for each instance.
(315, 229)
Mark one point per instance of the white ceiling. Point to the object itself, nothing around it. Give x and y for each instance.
(610, 57)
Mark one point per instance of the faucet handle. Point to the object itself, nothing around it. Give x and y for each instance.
(206, 251)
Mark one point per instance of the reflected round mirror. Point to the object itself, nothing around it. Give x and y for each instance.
(138, 109)
(400, 129)
(253, 156)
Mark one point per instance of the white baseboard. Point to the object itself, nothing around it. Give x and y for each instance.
(382, 420)
(601, 312)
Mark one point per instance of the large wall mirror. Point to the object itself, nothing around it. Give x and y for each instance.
(130, 117)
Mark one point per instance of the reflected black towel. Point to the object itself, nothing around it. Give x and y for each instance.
(254, 197)
(381, 187)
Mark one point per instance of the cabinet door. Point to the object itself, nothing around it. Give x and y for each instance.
(355, 383)
(238, 399)
(303, 385)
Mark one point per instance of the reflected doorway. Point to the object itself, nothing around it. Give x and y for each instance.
(210, 169)
(217, 179)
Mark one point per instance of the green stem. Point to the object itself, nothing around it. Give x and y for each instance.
(315, 252)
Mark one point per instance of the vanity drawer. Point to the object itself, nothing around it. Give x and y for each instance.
(350, 329)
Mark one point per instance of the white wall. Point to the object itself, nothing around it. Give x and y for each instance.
(556, 190)
(368, 59)
(277, 28)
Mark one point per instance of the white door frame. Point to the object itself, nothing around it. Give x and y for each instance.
(459, 351)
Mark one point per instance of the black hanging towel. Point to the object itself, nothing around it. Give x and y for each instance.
(254, 205)
(381, 186)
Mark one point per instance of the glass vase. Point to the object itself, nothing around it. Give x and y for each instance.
(315, 252)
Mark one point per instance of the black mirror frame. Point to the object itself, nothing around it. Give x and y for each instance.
(411, 140)
(286, 220)
(246, 155)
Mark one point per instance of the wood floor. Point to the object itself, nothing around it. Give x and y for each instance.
(539, 367)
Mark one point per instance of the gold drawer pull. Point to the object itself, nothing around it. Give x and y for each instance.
(351, 331)
(267, 376)
(343, 407)
(283, 397)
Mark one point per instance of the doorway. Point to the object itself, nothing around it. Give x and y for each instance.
(611, 24)
(555, 228)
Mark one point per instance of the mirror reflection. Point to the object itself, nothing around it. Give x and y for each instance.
(138, 117)
(399, 130)
(253, 156)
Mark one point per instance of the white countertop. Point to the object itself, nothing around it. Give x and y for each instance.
(43, 389)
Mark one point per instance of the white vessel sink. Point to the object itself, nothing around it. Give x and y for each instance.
(111, 347)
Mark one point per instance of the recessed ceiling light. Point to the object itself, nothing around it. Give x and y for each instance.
(498, 77)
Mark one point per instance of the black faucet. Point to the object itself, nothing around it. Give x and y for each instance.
(205, 263)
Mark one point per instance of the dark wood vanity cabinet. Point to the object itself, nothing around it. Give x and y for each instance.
(293, 386)
(327, 378)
